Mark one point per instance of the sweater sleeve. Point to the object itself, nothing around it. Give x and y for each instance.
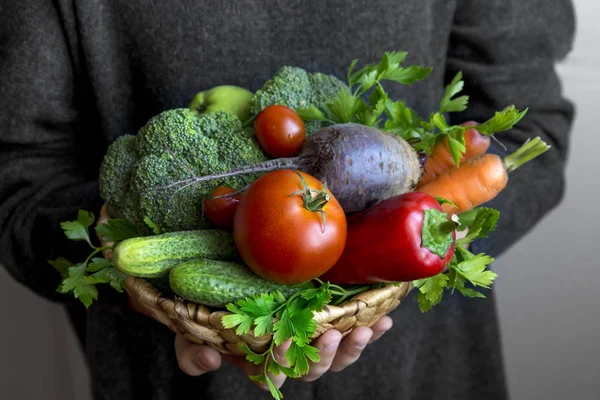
(44, 177)
(507, 52)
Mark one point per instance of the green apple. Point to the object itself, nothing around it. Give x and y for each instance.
(230, 98)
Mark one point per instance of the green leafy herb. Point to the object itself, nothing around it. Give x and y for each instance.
(116, 230)
(447, 103)
(284, 318)
(365, 100)
(502, 121)
(78, 229)
(431, 291)
(81, 279)
(465, 267)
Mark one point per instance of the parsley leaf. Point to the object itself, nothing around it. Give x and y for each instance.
(250, 355)
(77, 283)
(116, 230)
(110, 275)
(473, 268)
(431, 291)
(242, 321)
(78, 230)
(62, 265)
(501, 121)
(350, 105)
(481, 221)
(81, 279)
(344, 107)
(97, 264)
(447, 103)
(311, 114)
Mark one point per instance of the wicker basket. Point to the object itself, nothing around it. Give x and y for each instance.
(202, 324)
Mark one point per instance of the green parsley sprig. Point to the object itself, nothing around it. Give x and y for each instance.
(284, 318)
(81, 278)
(350, 104)
(366, 102)
(465, 267)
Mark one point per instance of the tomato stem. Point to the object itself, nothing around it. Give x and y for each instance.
(314, 202)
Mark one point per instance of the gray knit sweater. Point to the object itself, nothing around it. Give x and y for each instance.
(76, 74)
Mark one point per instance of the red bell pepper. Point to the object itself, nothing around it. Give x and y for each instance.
(403, 238)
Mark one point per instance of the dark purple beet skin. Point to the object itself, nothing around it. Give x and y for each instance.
(361, 165)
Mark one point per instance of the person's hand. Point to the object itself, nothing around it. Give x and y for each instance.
(336, 354)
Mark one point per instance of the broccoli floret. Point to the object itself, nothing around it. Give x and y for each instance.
(171, 147)
(115, 173)
(290, 86)
(324, 88)
(296, 88)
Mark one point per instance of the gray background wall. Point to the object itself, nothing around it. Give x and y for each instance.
(547, 292)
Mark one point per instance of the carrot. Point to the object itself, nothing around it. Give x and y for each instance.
(440, 160)
(480, 179)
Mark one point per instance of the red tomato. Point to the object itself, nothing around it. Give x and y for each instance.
(280, 131)
(221, 211)
(277, 234)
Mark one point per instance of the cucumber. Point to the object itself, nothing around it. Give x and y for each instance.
(154, 256)
(216, 283)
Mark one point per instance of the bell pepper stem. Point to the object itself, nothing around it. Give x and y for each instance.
(444, 228)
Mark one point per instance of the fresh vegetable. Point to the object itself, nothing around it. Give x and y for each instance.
(229, 98)
(154, 256)
(81, 278)
(480, 179)
(288, 227)
(440, 160)
(217, 283)
(280, 131)
(172, 146)
(115, 176)
(400, 239)
(361, 165)
(296, 88)
(221, 206)
(284, 318)
(465, 267)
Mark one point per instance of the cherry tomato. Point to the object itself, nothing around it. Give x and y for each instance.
(280, 131)
(220, 211)
(286, 234)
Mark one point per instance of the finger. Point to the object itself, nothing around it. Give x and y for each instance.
(327, 344)
(381, 327)
(351, 348)
(195, 359)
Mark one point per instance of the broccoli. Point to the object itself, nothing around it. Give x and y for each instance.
(115, 173)
(324, 88)
(171, 147)
(296, 88)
